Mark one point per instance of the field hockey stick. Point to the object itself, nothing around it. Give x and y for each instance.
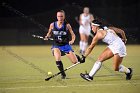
(47, 79)
(37, 36)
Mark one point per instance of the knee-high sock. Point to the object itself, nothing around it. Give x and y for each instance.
(81, 45)
(123, 69)
(97, 65)
(60, 67)
(85, 45)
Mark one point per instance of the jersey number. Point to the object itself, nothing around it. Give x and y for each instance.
(59, 38)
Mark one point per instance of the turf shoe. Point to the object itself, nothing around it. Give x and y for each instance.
(86, 77)
(129, 75)
(63, 76)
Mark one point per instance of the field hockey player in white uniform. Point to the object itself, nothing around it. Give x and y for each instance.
(85, 19)
(116, 49)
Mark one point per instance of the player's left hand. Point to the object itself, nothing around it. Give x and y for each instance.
(83, 59)
(71, 42)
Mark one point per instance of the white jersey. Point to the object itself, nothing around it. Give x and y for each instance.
(85, 27)
(115, 43)
(111, 37)
(85, 20)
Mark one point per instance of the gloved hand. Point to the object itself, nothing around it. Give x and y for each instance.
(83, 59)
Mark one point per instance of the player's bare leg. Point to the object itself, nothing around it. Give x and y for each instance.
(121, 68)
(72, 57)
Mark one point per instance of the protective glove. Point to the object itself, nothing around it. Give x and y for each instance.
(83, 59)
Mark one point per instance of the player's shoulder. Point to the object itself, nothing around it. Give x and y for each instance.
(101, 33)
(52, 25)
(81, 14)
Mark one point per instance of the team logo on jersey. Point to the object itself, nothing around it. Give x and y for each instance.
(59, 33)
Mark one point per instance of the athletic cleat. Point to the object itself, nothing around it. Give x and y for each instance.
(86, 77)
(63, 77)
(129, 75)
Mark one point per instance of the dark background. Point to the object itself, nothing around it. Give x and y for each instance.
(34, 17)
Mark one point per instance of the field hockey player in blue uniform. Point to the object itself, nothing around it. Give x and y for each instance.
(63, 36)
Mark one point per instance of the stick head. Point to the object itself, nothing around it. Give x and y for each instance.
(37, 36)
(33, 35)
(47, 79)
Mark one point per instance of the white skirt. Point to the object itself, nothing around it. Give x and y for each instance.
(118, 48)
(84, 30)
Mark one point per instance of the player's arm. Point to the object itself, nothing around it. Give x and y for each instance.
(49, 31)
(72, 34)
(121, 32)
(80, 21)
(97, 37)
(93, 43)
(91, 17)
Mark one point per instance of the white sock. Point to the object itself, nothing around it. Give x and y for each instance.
(97, 65)
(123, 69)
(81, 45)
(85, 45)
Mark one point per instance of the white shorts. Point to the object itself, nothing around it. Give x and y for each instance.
(84, 30)
(118, 48)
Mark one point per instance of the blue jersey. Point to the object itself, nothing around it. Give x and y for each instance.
(60, 35)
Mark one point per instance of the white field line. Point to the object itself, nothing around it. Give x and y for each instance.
(39, 77)
(87, 85)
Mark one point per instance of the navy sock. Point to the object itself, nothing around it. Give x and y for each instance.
(60, 67)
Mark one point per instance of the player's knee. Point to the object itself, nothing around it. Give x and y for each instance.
(100, 59)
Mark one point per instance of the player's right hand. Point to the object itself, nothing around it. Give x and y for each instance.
(83, 59)
(46, 38)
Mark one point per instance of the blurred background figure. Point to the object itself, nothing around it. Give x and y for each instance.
(84, 30)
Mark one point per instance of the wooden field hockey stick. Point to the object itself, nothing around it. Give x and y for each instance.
(47, 79)
(41, 37)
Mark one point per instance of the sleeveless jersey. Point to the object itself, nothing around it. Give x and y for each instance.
(111, 38)
(85, 20)
(60, 35)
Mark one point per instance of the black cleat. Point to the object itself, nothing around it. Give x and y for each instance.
(63, 76)
(129, 75)
(86, 77)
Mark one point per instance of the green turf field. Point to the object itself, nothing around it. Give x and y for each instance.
(24, 68)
